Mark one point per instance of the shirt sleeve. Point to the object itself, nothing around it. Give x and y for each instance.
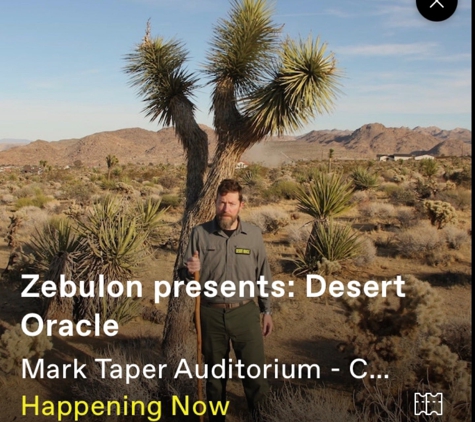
(263, 269)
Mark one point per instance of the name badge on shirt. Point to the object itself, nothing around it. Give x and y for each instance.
(242, 251)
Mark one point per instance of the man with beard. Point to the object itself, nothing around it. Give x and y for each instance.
(223, 249)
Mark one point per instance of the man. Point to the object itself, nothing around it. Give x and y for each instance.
(222, 249)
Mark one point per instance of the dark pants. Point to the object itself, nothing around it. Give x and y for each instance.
(242, 327)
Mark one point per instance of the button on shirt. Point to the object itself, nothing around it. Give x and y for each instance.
(239, 257)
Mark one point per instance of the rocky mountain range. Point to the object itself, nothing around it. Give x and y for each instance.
(142, 146)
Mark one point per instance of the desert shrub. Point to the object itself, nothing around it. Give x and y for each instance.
(108, 184)
(378, 210)
(122, 309)
(169, 181)
(79, 191)
(15, 346)
(7, 198)
(137, 351)
(269, 219)
(460, 177)
(440, 213)
(363, 179)
(457, 335)
(282, 189)
(401, 337)
(27, 220)
(459, 198)
(367, 253)
(419, 241)
(39, 200)
(403, 195)
(425, 190)
(297, 235)
(172, 201)
(305, 405)
(455, 237)
(407, 216)
(250, 176)
(360, 197)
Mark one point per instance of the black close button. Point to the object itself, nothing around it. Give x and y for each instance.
(436, 10)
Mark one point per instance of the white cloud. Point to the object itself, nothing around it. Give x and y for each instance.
(389, 49)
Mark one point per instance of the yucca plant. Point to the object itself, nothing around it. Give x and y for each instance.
(328, 245)
(335, 241)
(327, 196)
(114, 243)
(363, 179)
(56, 236)
(150, 214)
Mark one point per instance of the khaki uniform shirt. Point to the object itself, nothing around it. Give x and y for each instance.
(239, 257)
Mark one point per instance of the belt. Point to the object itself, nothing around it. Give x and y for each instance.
(226, 305)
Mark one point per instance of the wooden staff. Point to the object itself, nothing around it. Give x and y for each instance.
(198, 342)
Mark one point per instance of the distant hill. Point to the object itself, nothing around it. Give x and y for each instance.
(137, 145)
(7, 143)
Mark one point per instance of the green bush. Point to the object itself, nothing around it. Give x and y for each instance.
(400, 194)
(283, 189)
(39, 200)
(172, 201)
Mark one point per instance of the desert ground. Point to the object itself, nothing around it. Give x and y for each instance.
(388, 217)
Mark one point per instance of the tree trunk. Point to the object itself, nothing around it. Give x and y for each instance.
(195, 144)
(178, 322)
(234, 137)
(59, 307)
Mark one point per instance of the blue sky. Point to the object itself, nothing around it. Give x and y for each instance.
(61, 69)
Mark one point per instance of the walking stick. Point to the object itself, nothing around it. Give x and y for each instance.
(198, 342)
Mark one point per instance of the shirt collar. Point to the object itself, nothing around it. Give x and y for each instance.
(239, 229)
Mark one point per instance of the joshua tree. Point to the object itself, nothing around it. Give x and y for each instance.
(262, 85)
(111, 161)
(330, 158)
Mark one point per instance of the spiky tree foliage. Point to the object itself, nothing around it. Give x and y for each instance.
(157, 69)
(363, 179)
(262, 85)
(336, 242)
(111, 239)
(328, 244)
(327, 196)
(57, 236)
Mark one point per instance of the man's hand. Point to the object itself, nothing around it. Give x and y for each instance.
(267, 325)
(193, 263)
